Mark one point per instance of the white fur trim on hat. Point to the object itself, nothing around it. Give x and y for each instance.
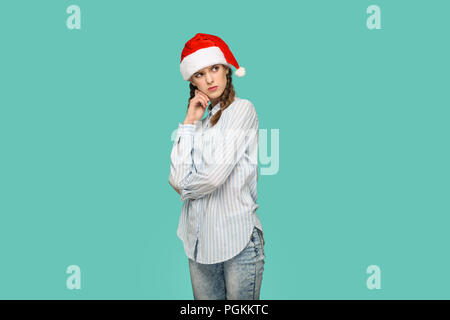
(201, 59)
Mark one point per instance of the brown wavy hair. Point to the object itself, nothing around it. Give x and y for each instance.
(225, 99)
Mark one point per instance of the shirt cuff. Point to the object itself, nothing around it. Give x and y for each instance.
(189, 129)
(186, 129)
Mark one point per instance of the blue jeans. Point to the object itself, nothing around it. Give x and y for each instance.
(238, 278)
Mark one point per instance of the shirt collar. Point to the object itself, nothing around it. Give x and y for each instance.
(217, 107)
(214, 109)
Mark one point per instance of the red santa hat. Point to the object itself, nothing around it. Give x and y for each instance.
(205, 50)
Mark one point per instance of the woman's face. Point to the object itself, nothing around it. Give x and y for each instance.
(211, 76)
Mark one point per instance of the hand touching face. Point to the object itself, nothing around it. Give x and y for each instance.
(197, 107)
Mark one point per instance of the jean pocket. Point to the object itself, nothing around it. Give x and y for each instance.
(261, 236)
(257, 240)
(262, 242)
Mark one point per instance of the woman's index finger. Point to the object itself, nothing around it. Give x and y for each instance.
(204, 95)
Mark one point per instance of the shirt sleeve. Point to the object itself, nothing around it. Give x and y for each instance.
(181, 163)
(239, 129)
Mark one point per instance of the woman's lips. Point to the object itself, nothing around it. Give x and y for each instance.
(212, 88)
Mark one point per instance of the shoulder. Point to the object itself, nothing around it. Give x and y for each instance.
(241, 107)
(241, 113)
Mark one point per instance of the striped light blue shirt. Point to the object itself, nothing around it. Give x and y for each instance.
(216, 170)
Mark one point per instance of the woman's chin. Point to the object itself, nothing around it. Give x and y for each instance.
(215, 94)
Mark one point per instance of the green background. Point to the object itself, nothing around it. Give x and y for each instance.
(86, 118)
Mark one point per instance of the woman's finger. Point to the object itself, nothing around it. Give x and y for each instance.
(200, 93)
(204, 95)
(202, 98)
(204, 101)
(199, 99)
(207, 99)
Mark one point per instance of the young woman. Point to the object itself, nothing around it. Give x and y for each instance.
(214, 169)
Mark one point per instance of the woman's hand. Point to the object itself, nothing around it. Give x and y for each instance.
(197, 107)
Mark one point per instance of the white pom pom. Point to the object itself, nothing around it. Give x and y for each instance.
(240, 72)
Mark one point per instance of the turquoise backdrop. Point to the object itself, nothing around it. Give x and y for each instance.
(86, 118)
